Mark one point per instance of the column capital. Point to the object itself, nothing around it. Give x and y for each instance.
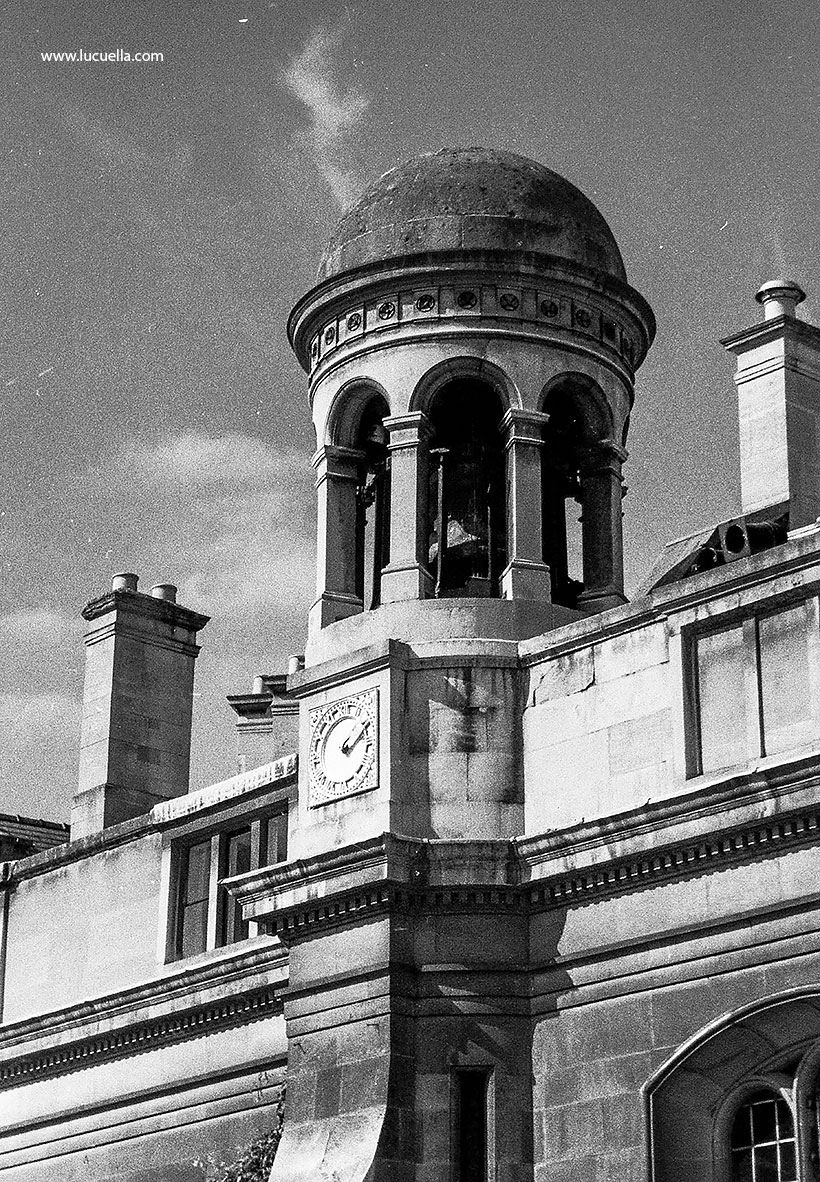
(330, 452)
(408, 430)
(602, 456)
(524, 426)
(337, 463)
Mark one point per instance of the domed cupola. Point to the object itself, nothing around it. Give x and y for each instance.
(472, 199)
(471, 347)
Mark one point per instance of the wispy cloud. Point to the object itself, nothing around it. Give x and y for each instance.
(230, 511)
(200, 459)
(40, 731)
(334, 111)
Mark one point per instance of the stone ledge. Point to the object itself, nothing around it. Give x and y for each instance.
(170, 1009)
(167, 812)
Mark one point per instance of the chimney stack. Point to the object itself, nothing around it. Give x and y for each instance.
(135, 748)
(778, 386)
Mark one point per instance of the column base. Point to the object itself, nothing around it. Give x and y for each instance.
(330, 607)
(402, 583)
(524, 579)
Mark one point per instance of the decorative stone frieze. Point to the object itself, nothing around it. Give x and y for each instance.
(534, 309)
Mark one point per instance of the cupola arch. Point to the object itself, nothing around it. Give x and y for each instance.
(581, 493)
(353, 486)
(350, 404)
(464, 368)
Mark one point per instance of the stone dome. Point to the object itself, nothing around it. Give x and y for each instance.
(472, 199)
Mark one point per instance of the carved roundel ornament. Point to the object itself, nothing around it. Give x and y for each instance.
(343, 751)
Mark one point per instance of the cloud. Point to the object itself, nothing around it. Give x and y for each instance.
(200, 460)
(35, 626)
(40, 731)
(115, 150)
(228, 515)
(335, 113)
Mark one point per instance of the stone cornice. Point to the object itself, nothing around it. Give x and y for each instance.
(780, 327)
(228, 991)
(337, 671)
(168, 812)
(558, 305)
(136, 603)
(737, 820)
(505, 269)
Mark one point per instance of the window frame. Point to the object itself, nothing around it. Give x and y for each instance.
(781, 1085)
(754, 1144)
(749, 619)
(218, 899)
(488, 1072)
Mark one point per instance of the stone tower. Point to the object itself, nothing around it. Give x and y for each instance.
(471, 348)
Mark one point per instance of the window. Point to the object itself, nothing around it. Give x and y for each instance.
(763, 1142)
(750, 687)
(192, 898)
(235, 859)
(472, 1124)
(204, 914)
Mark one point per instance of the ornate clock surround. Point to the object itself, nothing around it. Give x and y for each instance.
(328, 780)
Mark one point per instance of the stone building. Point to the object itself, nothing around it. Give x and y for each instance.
(516, 880)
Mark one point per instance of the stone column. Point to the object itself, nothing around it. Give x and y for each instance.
(337, 478)
(406, 576)
(526, 575)
(602, 526)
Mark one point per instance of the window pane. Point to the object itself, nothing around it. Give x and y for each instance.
(784, 673)
(192, 899)
(742, 1166)
(721, 661)
(766, 1163)
(193, 933)
(238, 847)
(742, 1128)
(274, 840)
(764, 1124)
(766, 1121)
(197, 872)
(236, 859)
(788, 1167)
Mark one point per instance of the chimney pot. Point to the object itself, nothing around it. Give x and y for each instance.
(780, 297)
(166, 591)
(295, 663)
(124, 582)
(258, 685)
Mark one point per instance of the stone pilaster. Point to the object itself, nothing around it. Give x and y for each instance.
(337, 478)
(526, 575)
(602, 526)
(406, 576)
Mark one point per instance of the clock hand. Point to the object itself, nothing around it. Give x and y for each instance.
(352, 739)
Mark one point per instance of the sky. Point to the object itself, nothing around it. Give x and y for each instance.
(160, 219)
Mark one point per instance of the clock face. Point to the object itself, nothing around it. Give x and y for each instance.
(342, 750)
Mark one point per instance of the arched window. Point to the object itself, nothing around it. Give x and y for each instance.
(763, 1142)
(372, 504)
(467, 516)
